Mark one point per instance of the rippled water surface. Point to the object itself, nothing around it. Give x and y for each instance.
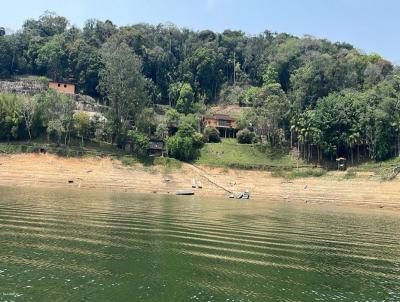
(62, 245)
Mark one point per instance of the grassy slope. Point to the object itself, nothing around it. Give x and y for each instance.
(90, 149)
(74, 149)
(230, 154)
(227, 154)
(381, 169)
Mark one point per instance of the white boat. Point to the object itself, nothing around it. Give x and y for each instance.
(246, 195)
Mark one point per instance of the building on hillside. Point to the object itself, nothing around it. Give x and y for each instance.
(157, 147)
(224, 123)
(62, 87)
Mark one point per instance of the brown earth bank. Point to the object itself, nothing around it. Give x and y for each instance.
(45, 170)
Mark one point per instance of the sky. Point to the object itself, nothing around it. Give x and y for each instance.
(370, 25)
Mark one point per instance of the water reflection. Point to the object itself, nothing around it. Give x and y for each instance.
(58, 245)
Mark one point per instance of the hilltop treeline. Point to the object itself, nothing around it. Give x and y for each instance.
(328, 99)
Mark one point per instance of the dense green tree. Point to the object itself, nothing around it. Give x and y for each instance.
(52, 58)
(57, 113)
(327, 98)
(185, 103)
(27, 107)
(185, 144)
(172, 118)
(206, 63)
(139, 142)
(122, 84)
(81, 123)
(10, 120)
(5, 58)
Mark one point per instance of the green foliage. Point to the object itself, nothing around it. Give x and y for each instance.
(185, 102)
(303, 173)
(230, 154)
(327, 99)
(270, 76)
(206, 64)
(122, 82)
(170, 163)
(140, 143)
(246, 136)
(233, 94)
(174, 92)
(350, 174)
(5, 58)
(172, 118)
(28, 107)
(211, 135)
(56, 111)
(145, 121)
(128, 160)
(10, 120)
(52, 58)
(81, 122)
(185, 144)
(191, 121)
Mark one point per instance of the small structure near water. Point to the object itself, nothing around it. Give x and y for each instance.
(341, 161)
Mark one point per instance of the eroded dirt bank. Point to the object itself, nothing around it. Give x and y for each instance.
(44, 170)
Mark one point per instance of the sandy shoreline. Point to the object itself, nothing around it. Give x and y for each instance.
(45, 170)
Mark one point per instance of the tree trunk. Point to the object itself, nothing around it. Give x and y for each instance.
(351, 154)
(291, 139)
(29, 133)
(398, 143)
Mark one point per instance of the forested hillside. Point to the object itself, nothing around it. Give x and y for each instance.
(328, 99)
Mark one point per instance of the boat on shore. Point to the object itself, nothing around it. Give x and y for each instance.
(184, 192)
(246, 195)
(241, 195)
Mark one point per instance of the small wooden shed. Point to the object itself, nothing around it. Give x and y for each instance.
(341, 161)
(62, 87)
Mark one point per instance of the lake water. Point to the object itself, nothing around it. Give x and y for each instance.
(58, 245)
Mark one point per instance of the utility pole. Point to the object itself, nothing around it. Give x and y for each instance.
(234, 68)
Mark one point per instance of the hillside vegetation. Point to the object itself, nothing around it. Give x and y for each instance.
(328, 99)
(230, 154)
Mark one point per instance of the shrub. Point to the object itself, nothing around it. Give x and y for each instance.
(185, 144)
(303, 173)
(128, 160)
(246, 136)
(168, 162)
(182, 148)
(140, 143)
(211, 135)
